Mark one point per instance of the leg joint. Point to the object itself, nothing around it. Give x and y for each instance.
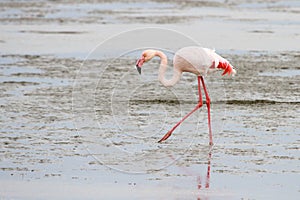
(200, 104)
(207, 101)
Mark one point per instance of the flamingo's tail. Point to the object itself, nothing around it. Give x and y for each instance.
(227, 67)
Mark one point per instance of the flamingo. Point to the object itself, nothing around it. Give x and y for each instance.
(193, 59)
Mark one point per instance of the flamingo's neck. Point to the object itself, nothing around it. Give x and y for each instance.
(162, 71)
(163, 57)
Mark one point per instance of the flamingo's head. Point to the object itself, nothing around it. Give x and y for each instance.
(146, 56)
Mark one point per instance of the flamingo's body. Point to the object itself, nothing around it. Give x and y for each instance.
(197, 60)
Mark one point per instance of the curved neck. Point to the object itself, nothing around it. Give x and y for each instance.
(163, 68)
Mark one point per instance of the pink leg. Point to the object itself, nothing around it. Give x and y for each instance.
(199, 105)
(208, 111)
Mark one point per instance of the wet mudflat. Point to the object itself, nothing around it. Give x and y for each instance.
(68, 131)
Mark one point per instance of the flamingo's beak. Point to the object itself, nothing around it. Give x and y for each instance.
(139, 69)
(139, 64)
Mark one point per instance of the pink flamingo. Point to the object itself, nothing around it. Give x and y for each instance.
(197, 60)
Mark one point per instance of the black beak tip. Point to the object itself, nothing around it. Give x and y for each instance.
(139, 69)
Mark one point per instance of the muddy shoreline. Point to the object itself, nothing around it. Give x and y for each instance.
(79, 127)
(41, 140)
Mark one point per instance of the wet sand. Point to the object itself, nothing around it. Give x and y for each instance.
(77, 126)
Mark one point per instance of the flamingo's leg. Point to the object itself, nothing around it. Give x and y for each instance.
(199, 105)
(208, 110)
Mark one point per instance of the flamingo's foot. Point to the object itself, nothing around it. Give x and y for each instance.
(165, 137)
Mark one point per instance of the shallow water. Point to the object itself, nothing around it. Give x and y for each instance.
(88, 128)
(282, 73)
(256, 140)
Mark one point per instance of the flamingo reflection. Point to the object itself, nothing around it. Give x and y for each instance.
(207, 180)
(200, 184)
